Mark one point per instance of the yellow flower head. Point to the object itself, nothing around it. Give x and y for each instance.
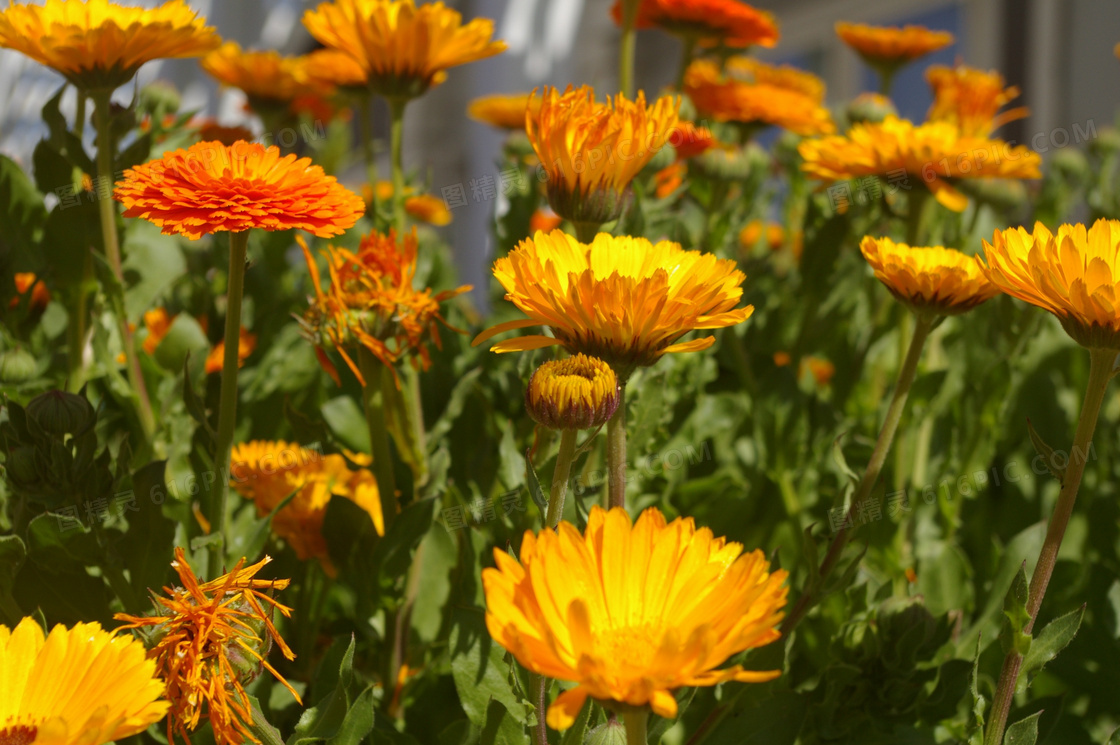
(78, 686)
(269, 472)
(1074, 274)
(891, 46)
(937, 280)
(267, 77)
(578, 392)
(335, 69)
(787, 77)
(971, 99)
(592, 151)
(99, 45)
(371, 302)
(622, 299)
(632, 612)
(932, 154)
(506, 111)
(731, 23)
(404, 49)
(776, 97)
(209, 640)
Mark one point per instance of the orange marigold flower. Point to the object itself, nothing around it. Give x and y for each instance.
(891, 46)
(933, 154)
(269, 472)
(506, 111)
(622, 299)
(246, 343)
(208, 640)
(428, 208)
(1073, 273)
(544, 221)
(371, 302)
(971, 99)
(631, 612)
(335, 69)
(782, 359)
(403, 49)
(727, 98)
(592, 151)
(728, 22)
(99, 45)
(935, 279)
(158, 322)
(775, 235)
(267, 77)
(787, 77)
(211, 187)
(28, 282)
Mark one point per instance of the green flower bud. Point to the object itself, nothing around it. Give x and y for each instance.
(16, 366)
(611, 733)
(59, 413)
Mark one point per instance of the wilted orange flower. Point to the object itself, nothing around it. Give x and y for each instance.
(971, 99)
(728, 22)
(211, 187)
(269, 472)
(577, 392)
(726, 98)
(592, 151)
(158, 322)
(28, 281)
(544, 221)
(99, 45)
(632, 612)
(210, 639)
(506, 111)
(891, 46)
(935, 279)
(622, 299)
(246, 343)
(1074, 274)
(403, 48)
(371, 302)
(775, 235)
(77, 686)
(933, 154)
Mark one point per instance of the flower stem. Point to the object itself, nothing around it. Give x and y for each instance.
(396, 139)
(635, 721)
(538, 692)
(365, 123)
(616, 453)
(1100, 371)
(80, 319)
(627, 47)
(560, 477)
(689, 47)
(922, 327)
(108, 213)
(227, 399)
(586, 231)
(374, 400)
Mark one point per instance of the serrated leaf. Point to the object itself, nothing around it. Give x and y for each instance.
(1048, 643)
(1046, 453)
(60, 543)
(1023, 732)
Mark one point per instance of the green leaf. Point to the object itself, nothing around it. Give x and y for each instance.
(69, 234)
(55, 542)
(22, 207)
(1023, 732)
(397, 403)
(1047, 453)
(535, 490)
(481, 671)
(1048, 643)
(394, 551)
(185, 337)
(327, 719)
(12, 555)
(1016, 616)
(979, 703)
(265, 732)
(147, 547)
(502, 729)
(772, 721)
(347, 422)
(194, 404)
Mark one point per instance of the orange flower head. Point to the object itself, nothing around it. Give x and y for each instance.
(208, 640)
(819, 368)
(402, 48)
(371, 302)
(592, 151)
(669, 179)
(246, 343)
(28, 282)
(263, 76)
(99, 45)
(778, 99)
(933, 154)
(1073, 273)
(631, 612)
(269, 472)
(728, 22)
(428, 208)
(335, 69)
(890, 47)
(689, 140)
(544, 221)
(621, 299)
(158, 322)
(786, 77)
(971, 99)
(505, 111)
(577, 392)
(211, 187)
(937, 280)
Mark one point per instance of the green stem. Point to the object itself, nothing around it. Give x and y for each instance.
(365, 124)
(627, 47)
(373, 371)
(586, 231)
(414, 411)
(107, 210)
(886, 78)
(79, 327)
(616, 453)
(689, 47)
(635, 721)
(227, 399)
(1100, 372)
(538, 692)
(805, 603)
(396, 139)
(917, 217)
(560, 475)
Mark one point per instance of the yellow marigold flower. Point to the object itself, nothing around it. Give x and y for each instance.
(506, 111)
(77, 686)
(787, 77)
(592, 151)
(210, 639)
(971, 99)
(246, 343)
(211, 187)
(1074, 274)
(335, 69)
(727, 22)
(158, 322)
(264, 75)
(934, 279)
(933, 153)
(428, 208)
(726, 98)
(577, 392)
(891, 46)
(26, 282)
(371, 302)
(632, 612)
(269, 472)
(99, 45)
(403, 48)
(622, 299)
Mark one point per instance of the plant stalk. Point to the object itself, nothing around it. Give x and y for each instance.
(616, 453)
(374, 400)
(635, 721)
(365, 123)
(689, 47)
(396, 147)
(627, 48)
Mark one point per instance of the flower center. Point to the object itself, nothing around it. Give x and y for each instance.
(19, 734)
